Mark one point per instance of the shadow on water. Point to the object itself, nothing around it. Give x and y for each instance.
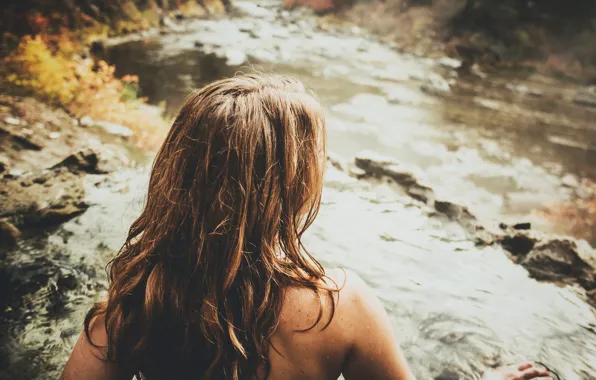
(170, 80)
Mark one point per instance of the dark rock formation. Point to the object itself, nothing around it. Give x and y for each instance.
(408, 178)
(553, 259)
(49, 197)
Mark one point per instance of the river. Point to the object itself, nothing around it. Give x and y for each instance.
(457, 308)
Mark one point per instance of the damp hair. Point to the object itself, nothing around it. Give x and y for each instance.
(197, 288)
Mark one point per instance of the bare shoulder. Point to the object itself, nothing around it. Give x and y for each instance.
(88, 359)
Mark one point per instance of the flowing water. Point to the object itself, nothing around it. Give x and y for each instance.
(457, 308)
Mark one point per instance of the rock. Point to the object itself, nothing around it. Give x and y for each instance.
(50, 197)
(436, 85)
(522, 226)
(373, 162)
(558, 260)
(450, 63)
(586, 96)
(86, 121)
(519, 244)
(178, 16)
(379, 166)
(12, 121)
(453, 211)
(9, 234)
(569, 180)
(98, 49)
(420, 192)
(20, 136)
(92, 161)
(114, 128)
(357, 173)
(447, 374)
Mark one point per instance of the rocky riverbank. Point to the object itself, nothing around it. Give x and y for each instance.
(59, 212)
(463, 292)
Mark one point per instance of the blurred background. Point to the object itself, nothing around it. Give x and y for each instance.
(462, 160)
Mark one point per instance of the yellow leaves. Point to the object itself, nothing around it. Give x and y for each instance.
(82, 86)
(41, 70)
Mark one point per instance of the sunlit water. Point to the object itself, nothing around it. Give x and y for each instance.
(455, 307)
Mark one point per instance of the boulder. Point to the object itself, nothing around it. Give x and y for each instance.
(43, 199)
(519, 244)
(92, 161)
(558, 260)
(408, 178)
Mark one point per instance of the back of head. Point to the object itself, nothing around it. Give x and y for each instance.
(197, 288)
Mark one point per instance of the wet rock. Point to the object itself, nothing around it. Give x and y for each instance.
(586, 96)
(448, 374)
(450, 63)
(522, 226)
(519, 244)
(12, 121)
(48, 198)
(569, 180)
(357, 173)
(20, 136)
(98, 49)
(436, 85)
(9, 234)
(558, 260)
(420, 192)
(453, 211)
(379, 166)
(178, 16)
(92, 161)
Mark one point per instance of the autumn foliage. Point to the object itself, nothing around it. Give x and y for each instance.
(50, 67)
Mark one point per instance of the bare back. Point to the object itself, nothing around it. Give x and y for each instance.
(359, 341)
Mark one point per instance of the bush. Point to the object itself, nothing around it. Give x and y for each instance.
(83, 87)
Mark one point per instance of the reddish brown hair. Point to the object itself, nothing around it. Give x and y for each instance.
(197, 288)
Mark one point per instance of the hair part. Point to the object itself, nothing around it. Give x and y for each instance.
(197, 288)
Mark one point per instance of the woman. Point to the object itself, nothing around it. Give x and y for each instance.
(213, 281)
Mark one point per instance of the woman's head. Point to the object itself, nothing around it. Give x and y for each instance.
(197, 288)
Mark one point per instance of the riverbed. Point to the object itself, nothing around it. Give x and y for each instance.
(457, 307)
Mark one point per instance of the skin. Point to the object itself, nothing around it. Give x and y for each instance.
(359, 342)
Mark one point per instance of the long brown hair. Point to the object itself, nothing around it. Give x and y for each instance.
(197, 288)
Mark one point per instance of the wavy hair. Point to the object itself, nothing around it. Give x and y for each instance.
(197, 288)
